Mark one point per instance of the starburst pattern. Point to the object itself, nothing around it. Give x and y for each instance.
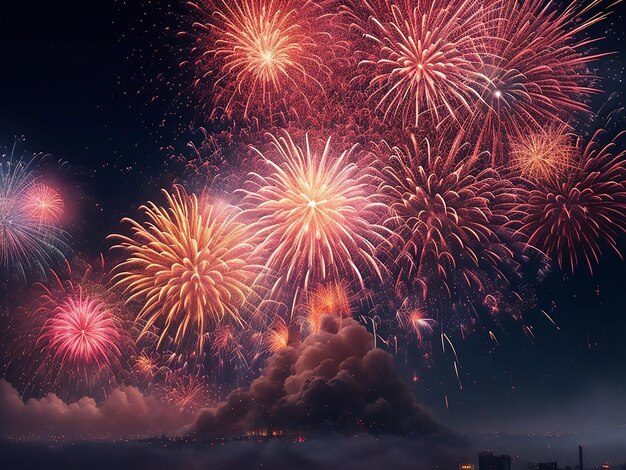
(189, 266)
(425, 57)
(313, 212)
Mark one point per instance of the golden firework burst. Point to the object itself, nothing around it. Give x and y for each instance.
(188, 265)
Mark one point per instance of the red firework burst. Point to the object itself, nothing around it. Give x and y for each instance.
(573, 218)
(260, 55)
(537, 69)
(448, 218)
(424, 56)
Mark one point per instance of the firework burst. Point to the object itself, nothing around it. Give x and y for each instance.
(72, 338)
(257, 52)
(313, 213)
(448, 219)
(537, 69)
(415, 320)
(188, 265)
(327, 299)
(28, 238)
(573, 218)
(186, 392)
(544, 154)
(43, 203)
(424, 56)
(277, 337)
(82, 331)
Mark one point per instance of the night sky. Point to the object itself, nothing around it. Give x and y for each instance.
(98, 86)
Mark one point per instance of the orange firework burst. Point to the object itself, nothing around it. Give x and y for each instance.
(448, 217)
(544, 154)
(186, 392)
(43, 203)
(188, 264)
(278, 336)
(146, 364)
(424, 56)
(537, 65)
(328, 299)
(261, 51)
(572, 218)
(312, 214)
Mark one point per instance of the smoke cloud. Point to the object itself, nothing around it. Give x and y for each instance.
(125, 414)
(333, 381)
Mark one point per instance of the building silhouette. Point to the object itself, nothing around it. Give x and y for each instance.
(488, 461)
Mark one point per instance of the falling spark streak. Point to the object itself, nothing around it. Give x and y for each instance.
(550, 318)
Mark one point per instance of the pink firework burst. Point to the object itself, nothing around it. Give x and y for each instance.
(313, 213)
(571, 219)
(82, 331)
(43, 203)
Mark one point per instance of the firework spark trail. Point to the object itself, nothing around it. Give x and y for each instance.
(573, 218)
(537, 68)
(423, 57)
(313, 215)
(189, 266)
(259, 53)
(448, 219)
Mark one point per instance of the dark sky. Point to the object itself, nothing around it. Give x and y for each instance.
(95, 85)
